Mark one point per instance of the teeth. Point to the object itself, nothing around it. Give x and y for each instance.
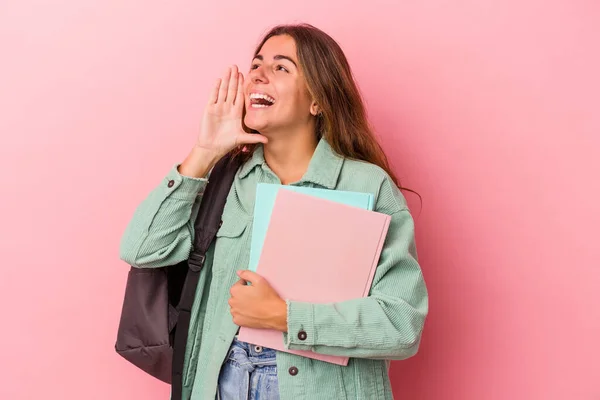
(262, 96)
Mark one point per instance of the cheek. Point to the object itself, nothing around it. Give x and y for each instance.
(301, 104)
(295, 101)
(303, 97)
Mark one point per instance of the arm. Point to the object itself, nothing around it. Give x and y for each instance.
(161, 230)
(387, 324)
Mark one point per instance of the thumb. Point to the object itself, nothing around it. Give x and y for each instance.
(248, 275)
(252, 138)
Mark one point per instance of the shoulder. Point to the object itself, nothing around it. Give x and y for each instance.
(363, 176)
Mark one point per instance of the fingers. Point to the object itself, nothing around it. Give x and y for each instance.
(214, 95)
(233, 84)
(239, 98)
(224, 86)
(229, 87)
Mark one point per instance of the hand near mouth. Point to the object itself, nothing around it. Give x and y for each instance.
(221, 127)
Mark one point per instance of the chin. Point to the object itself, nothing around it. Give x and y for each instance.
(257, 124)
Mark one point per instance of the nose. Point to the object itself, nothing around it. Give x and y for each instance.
(258, 76)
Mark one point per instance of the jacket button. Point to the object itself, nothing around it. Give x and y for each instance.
(171, 183)
(293, 371)
(302, 335)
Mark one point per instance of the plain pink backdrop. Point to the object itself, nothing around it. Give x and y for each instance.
(489, 109)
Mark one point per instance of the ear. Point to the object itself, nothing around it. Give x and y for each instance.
(314, 109)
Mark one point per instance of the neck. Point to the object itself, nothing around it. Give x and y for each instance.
(288, 156)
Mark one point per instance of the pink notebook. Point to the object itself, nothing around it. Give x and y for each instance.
(317, 251)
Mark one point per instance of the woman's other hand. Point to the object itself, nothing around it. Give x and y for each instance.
(257, 305)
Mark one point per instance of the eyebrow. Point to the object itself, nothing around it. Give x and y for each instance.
(277, 57)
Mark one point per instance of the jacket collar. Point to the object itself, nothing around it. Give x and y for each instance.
(323, 170)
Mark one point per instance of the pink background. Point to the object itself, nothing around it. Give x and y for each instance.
(489, 109)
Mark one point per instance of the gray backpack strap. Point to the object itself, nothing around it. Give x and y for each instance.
(206, 226)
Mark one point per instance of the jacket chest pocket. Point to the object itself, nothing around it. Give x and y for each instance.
(232, 244)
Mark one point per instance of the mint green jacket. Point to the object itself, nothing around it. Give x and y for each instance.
(384, 326)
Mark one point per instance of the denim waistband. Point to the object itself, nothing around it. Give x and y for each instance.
(253, 351)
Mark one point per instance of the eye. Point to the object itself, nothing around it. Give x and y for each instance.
(281, 68)
(254, 66)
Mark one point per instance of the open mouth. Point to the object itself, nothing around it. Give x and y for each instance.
(259, 100)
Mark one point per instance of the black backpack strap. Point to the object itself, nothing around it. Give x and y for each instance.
(206, 226)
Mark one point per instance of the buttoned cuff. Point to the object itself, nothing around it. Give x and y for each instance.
(183, 187)
(300, 333)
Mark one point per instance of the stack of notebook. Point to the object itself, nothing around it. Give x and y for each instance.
(314, 245)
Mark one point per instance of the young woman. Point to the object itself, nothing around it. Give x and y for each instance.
(297, 119)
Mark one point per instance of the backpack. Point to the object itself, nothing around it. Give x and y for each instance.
(157, 303)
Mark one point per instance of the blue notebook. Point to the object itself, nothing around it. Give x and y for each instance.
(265, 200)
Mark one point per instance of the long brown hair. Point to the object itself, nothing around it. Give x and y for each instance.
(343, 122)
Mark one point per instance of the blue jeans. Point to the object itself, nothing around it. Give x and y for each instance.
(248, 373)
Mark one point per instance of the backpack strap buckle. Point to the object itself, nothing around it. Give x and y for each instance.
(196, 261)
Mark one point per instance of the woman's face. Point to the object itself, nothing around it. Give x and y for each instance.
(277, 97)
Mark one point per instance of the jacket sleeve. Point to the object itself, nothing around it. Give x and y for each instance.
(161, 230)
(385, 325)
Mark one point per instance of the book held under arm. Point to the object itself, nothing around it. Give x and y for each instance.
(317, 250)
